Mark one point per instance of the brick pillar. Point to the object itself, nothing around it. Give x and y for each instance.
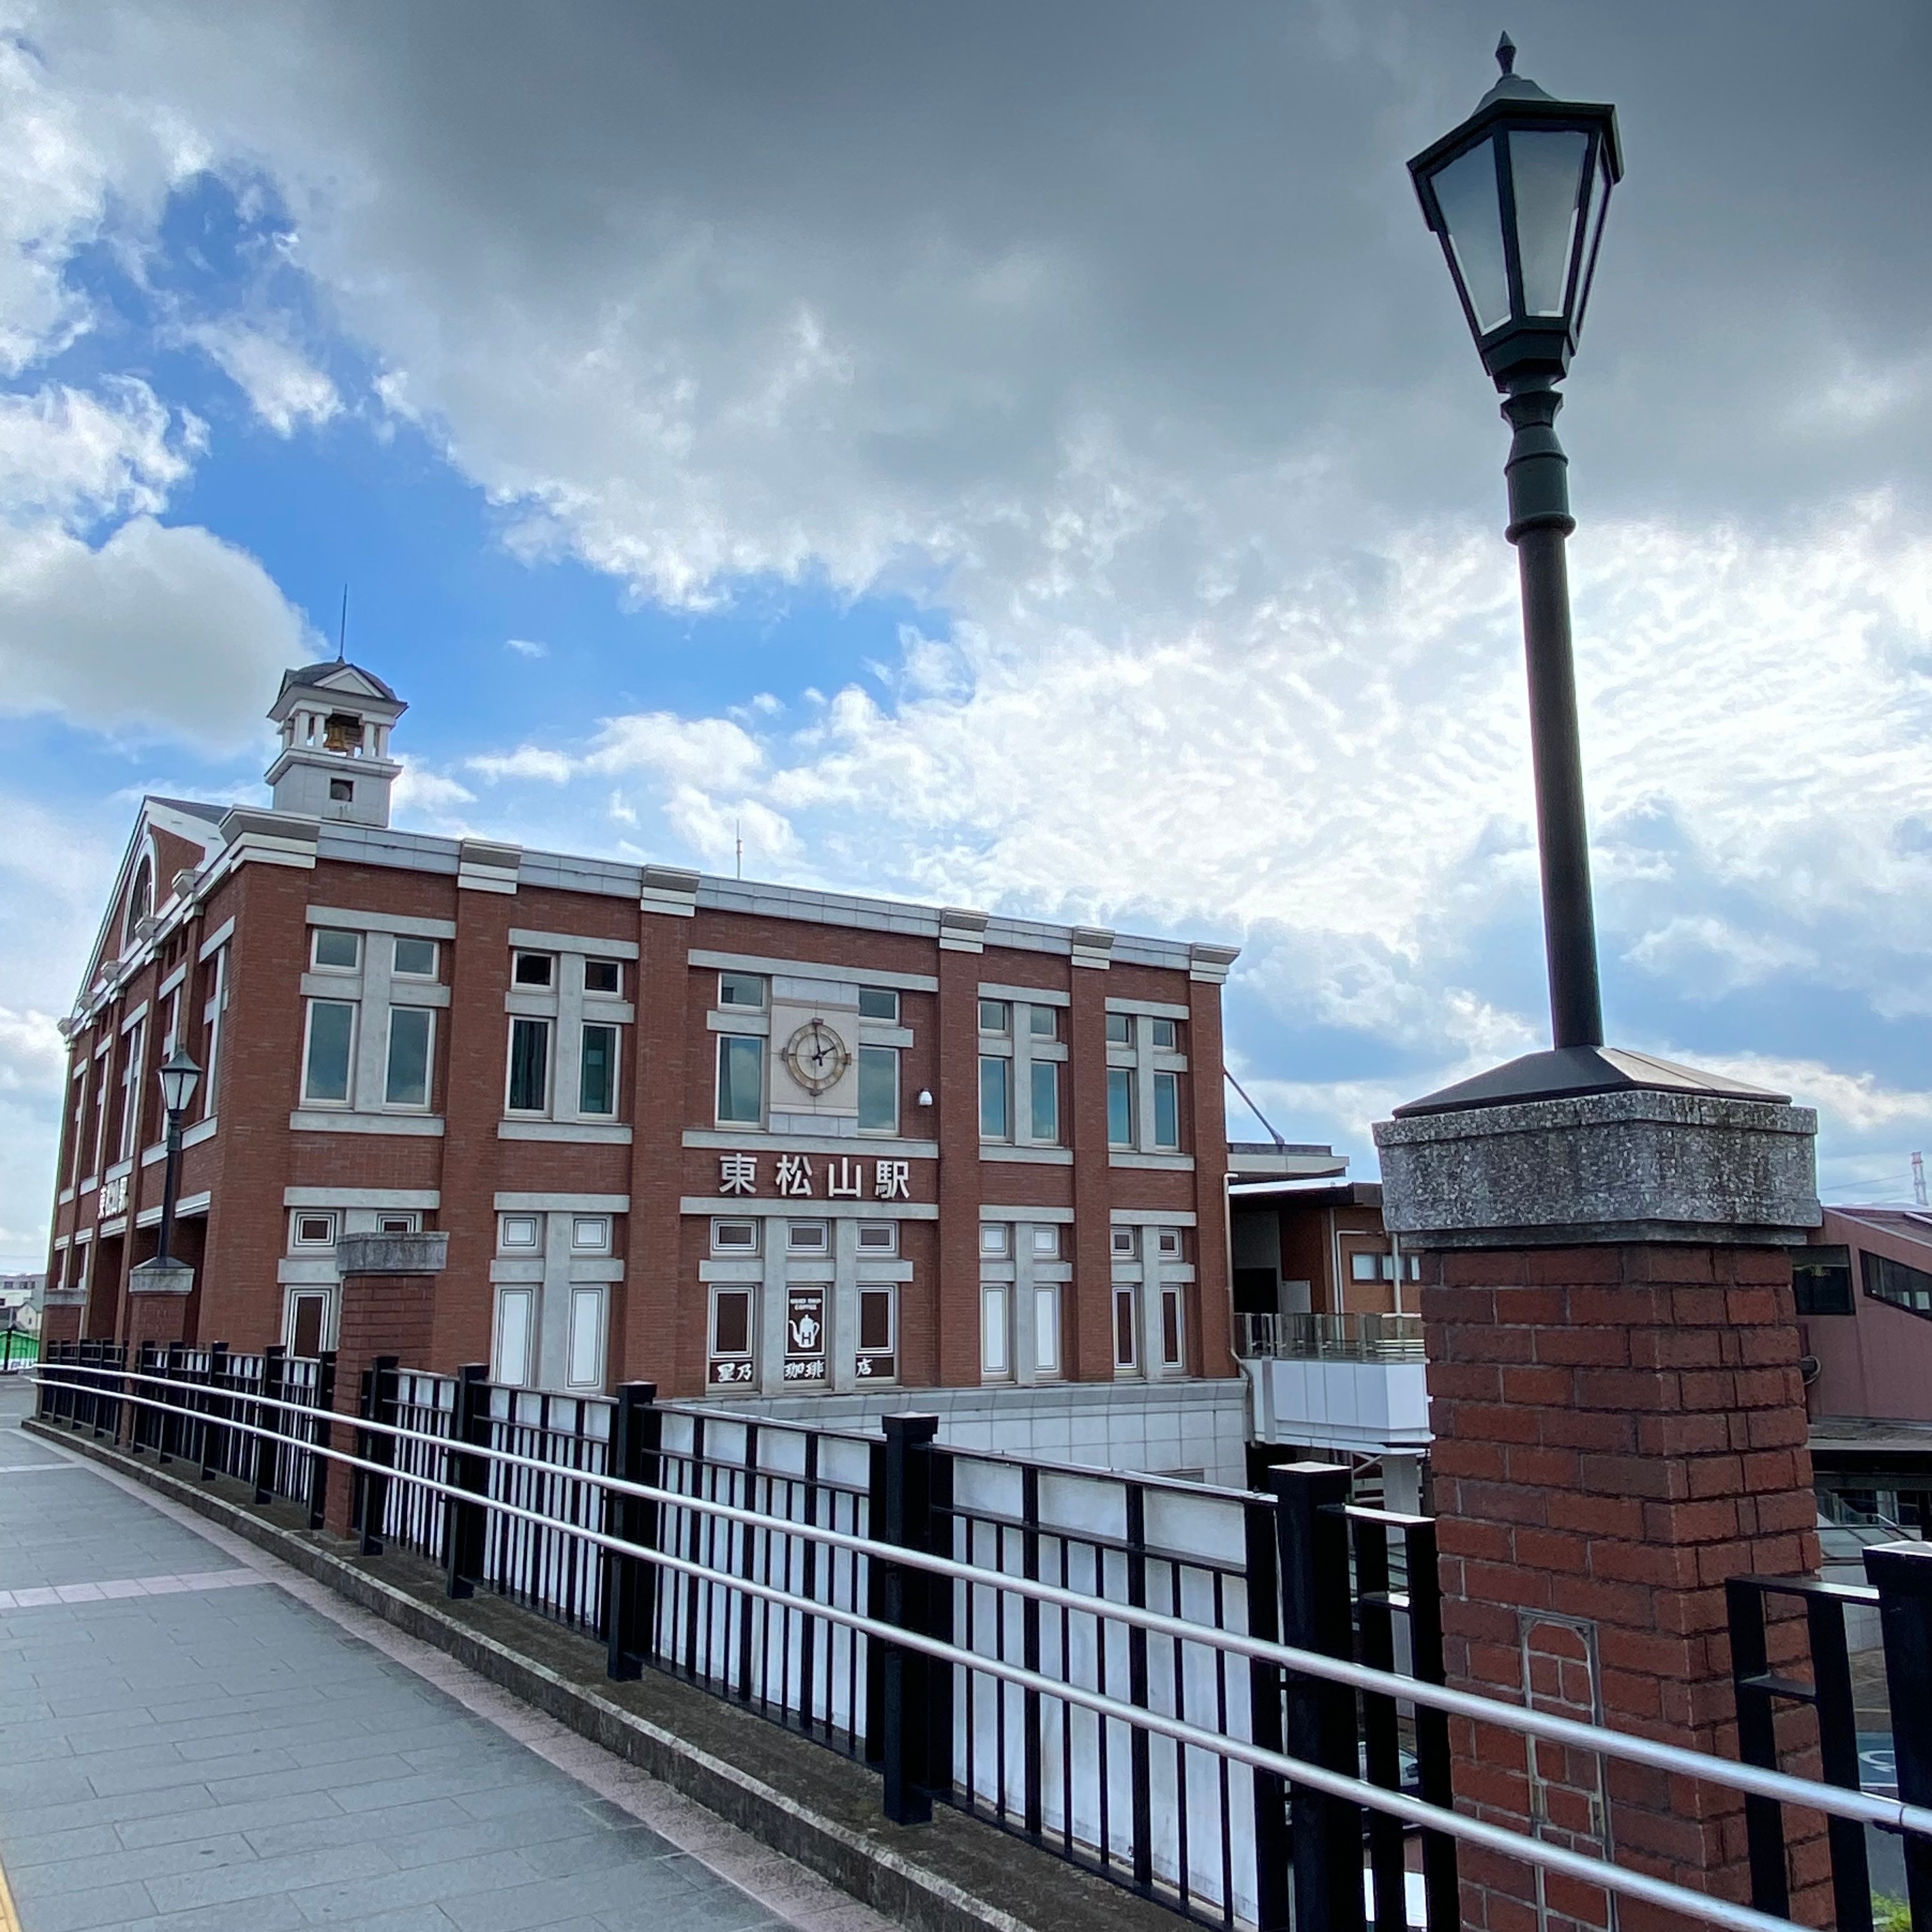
(60, 1321)
(957, 1302)
(1619, 1427)
(388, 1308)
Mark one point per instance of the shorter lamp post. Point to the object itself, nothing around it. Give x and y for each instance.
(162, 1273)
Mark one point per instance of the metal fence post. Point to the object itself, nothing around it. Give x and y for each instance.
(271, 1418)
(631, 1582)
(1271, 1838)
(172, 1369)
(1442, 1891)
(322, 1436)
(213, 1437)
(911, 1688)
(1901, 1573)
(462, 1522)
(378, 1447)
(1326, 1833)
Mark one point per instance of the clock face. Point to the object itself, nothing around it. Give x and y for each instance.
(817, 1058)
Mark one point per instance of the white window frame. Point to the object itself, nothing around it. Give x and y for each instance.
(518, 954)
(1158, 1145)
(518, 1374)
(749, 1355)
(1003, 1026)
(409, 1221)
(1173, 1295)
(399, 971)
(891, 1131)
(299, 1242)
(996, 1331)
(719, 1245)
(891, 993)
(1046, 1241)
(1125, 1243)
(1047, 1352)
(764, 999)
(996, 1241)
(1164, 1034)
(505, 1246)
(1129, 1292)
(133, 1057)
(317, 964)
(878, 1250)
(591, 992)
(1002, 1061)
(821, 1245)
(424, 1105)
(211, 1016)
(1170, 1243)
(718, 1084)
(591, 1297)
(549, 1025)
(1126, 1073)
(590, 1234)
(890, 1291)
(616, 1068)
(348, 1100)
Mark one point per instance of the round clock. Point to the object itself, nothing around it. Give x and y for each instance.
(817, 1058)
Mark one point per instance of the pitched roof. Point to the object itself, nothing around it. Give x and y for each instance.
(320, 674)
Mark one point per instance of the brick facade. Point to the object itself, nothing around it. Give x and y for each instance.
(1619, 1430)
(239, 930)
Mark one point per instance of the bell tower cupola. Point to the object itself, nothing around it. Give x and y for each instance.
(333, 761)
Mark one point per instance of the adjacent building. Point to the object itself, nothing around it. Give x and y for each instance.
(746, 1142)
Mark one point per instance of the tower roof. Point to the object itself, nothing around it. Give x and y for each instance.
(335, 674)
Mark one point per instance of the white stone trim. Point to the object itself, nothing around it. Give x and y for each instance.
(314, 1120)
(407, 924)
(562, 1204)
(743, 1207)
(532, 941)
(1039, 1156)
(216, 941)
(749, 1140)
(189, 1207)
(1152, 1217)
(1157, 1009)
(1177, 1163)
(1061, 1217)
(1027, 996)
(810, 969)
(615, 1133)
(390, 1198)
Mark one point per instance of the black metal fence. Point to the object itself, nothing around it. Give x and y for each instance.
(1231, 1702)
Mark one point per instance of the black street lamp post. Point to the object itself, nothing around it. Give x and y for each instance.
(179, 1077)
(1517, 194)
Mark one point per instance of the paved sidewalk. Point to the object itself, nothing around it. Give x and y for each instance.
(178, 1752)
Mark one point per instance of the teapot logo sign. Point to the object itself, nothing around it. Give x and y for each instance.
(804, 1335)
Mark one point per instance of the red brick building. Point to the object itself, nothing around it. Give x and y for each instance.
(729, 1137)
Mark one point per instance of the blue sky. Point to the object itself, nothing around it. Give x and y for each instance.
(994, 462)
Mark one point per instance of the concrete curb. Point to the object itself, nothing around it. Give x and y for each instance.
(957, 1874)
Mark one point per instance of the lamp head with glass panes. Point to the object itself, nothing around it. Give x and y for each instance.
(179, 1077)
(1517, 194)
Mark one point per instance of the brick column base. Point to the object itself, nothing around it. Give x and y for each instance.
(60, 1321)
(388, 1308)
(161, 1319)
(1619, 1429)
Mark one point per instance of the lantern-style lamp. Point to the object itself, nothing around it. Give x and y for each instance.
(1516, 194)
(179, 1077)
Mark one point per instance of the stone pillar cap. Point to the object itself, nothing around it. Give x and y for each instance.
(1636, 1165)
(392, 1254)
(1562, 1073)
(155, 1276)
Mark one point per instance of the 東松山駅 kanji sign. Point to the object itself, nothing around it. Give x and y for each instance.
(804, 1177)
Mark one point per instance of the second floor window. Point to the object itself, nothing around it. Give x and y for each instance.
(878, 1090)
(597, 1072)
(996, 1108)
(1120, 1106)
(530, 1067)
(412, 1031)
(741, 1080)
(1045, 1125)
(1167, 1111)
(327, 1060)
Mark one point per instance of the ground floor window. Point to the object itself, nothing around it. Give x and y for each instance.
(731, 1333)
(516, 1329)
(878, 1337)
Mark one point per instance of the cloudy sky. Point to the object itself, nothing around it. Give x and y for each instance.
(1019, 455)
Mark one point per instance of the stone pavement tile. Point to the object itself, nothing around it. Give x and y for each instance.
(21, 1817)
(338, 1779)
(241, 1915)
(431, 1885)
(309, 1808)
(34, 1882)
(301, 1828)
(419, 1784)
(54, 1847)
(557, 1857)
(265, 1878)
(403, 1918)
(537, 1824)
(105, 1905)
(669, 1904)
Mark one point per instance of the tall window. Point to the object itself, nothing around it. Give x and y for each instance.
(1167, 1111)
(996, 1108)
(132, 1045)
(741, 1080)
(213, 1019)
(1119, 1103)
(1172, 1354)
(1045, 1125)
(1126, 1328)
(77, 1154)
(326, 1058)
(878, 1090)
(1046, 1328)
(879, 1003)
(412, 1031)
(530, 1067)
(996, 1356)
(597, 1072)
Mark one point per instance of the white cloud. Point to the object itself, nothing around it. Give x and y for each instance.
(432, 795)
(283, 387)
(527, 647)
(553, 767)
(159, 632)
(70, 458)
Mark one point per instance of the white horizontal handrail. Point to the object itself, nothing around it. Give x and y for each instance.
(1865, 1807)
